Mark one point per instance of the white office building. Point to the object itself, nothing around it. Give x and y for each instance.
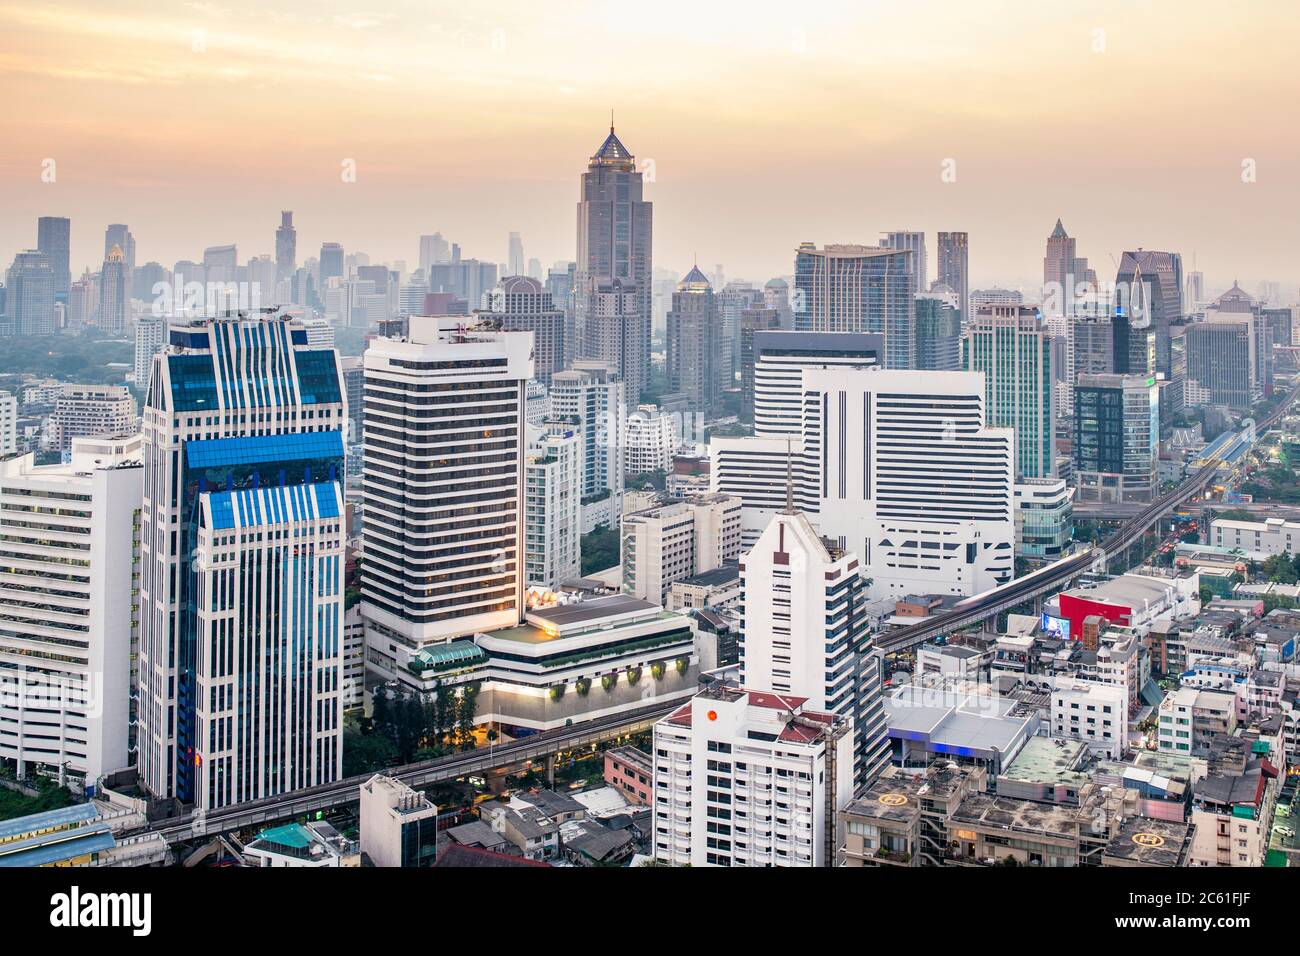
(590, 397)
(898, 467)
(150, 337)
(650, 441)
(750, 778)
(1092, 712)
(67, 575)
(444, 484)
(8, 424)
(1258, 540)
(675, 541)
(552, 519)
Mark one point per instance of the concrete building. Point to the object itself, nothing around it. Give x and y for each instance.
(67, 575)
(914, 242)
(650, 440)
(631, 772)
(8, 424)
(1044, 518)
(904, 819)
(1258, 540)
(590, 398)
(315, 845)
(150, 338)
(695, 355)
(521, 304)
(750, 778)
(399, 826)
(1116, 438)
(954, 268)
(780, 360)
(90, 411)
(853, 288)
(552, 517)
(675, 541)
(1092, 712)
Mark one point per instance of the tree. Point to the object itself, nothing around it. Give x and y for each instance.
(600, 549)
(366, 753)
(1281, 569)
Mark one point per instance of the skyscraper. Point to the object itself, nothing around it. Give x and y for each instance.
(1116, 436)
(286, 248)
(614, 257)
(521, 304)
(954, 269)
(444, 443)
(434, 250)
(693, 353)
(552, 516)
(590, 398)
(53, 235)
(1150, 285)
(113, 294)
(119, 235)
(851, 288)
(915, 241)
(221, 263)
(331, 262)
(752, 321)
(938, 332)
(1011, 346)
(242, 537)
(515, 257)
(29, 294)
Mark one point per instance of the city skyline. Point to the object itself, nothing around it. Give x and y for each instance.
(788, 148)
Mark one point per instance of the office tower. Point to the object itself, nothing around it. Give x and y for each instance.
(1194, 291)
(384, 282)
(331, 263)
(848, 288)
(898, 466)
(1151, 284)
(694, 352)
(650, 440)
(938, 332)
(150, 337)
(120, 236)
(467, 279)
(70, 534)
(806, 631)
(147, 279)
(1222, 364)
(91, 410)
(82, 299)
(552, 512)
(1116, 436)
(259, 275)
(732, 301)
(8, 423)
(434, 250)
(590, 397)
(1236, 302)
(354, 385)
(780, 360)
(1011, 346)
(1044, 516)
(521, 304)
(786, 766)
(675, 541)
(444, 485)
(612, 279)
(286, 247)
(29, 294)
(515, 256)
(53, 235)
(752, 321)
(113, 294)
(320, 333)
(241, 597)
(1092, 345)
(221, 263)
(981, 298)
(776, 296)
(914, 241)
(535, 269)
(954, 269)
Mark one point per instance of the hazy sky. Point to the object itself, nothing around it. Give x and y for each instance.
(768, 123)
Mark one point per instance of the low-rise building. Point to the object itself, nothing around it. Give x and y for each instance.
(903, 819)
(399, 825)
(1092, 712)
(675, 541)
(307, 845)
(630, 771)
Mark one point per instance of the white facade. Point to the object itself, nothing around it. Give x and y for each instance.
(8, 424)
(552, 517)
(89, 410)
(67, 576)
(748, 778)
(650, 439)
(896, 466)
(1257, 539)
(590, 396)
(388, 806)
(444, 483)
(670, 542)
(1092, 712)
(150, 337)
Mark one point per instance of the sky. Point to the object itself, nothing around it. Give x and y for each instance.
(1140, 123)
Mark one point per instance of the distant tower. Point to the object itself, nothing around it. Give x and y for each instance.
(52, 238)
(915, 241)
(693, 353)
(113, 295)
(614, 234)
(286, 248)
(515, 260)
(954, 269)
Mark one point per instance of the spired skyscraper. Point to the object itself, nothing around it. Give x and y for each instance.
(286, 248)
(693, 353)
(612, 280)
(241, 556)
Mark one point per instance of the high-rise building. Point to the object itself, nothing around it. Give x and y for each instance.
(53, 237)
(150, 337)
(91, 410)
(789, 766)
(8, 423)
(780, 359)
(331, 263)
(1152, 284)
(590, 398)
(752, 321)
(444, 485)
(1222, 364)
(694, 353)
(650, 440)
(938, 332)
(119, 235)
(221, 263)
(1011, 346)
(776, 295)
(434, 250)
(29, 294)
(850, 288)
(521, 304)
(1116, 437)
(674, 541)
(732, 300)
(982, 298)
(914, 241)
(552, 516)
(286, 247)
(612, 280)
(82, 299)
(70, 571)
(242, 551)
(806, 632)
(898, 466)
(113, 293)
(515, 258)
(954, 268)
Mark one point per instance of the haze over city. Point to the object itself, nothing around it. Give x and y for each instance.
(197, 122)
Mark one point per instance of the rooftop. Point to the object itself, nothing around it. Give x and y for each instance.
(1148, 842)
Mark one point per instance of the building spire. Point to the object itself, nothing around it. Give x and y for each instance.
(789, 478)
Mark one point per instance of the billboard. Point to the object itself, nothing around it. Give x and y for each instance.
(1058, 627)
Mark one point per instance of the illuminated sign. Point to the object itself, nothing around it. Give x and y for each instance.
(1058, 627)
